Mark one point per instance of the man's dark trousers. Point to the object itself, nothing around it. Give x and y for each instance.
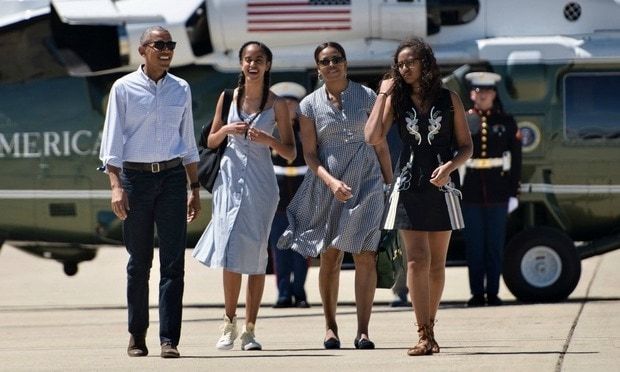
(156, 200)
(485, 235)
(287, 262)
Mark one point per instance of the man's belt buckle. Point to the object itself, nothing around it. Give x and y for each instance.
(290, 171)
(484, 163)
(155, 167)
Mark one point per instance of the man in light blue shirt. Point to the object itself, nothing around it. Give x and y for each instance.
(149, 152)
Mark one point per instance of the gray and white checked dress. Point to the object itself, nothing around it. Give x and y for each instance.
(245, 197)
(317, 220)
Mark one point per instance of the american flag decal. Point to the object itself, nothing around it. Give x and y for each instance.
(298, 15)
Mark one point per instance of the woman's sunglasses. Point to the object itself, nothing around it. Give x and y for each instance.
(161, 45)
(409, 64)
(334, 60)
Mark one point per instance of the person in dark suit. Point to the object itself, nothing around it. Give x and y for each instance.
(290, 267)
(490, 187)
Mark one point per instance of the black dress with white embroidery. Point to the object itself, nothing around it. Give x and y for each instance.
(430, 136)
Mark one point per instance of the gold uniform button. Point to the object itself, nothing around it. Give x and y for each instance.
(483, 153)
(484, 146)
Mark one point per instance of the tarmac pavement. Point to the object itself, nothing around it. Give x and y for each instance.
(51, 322)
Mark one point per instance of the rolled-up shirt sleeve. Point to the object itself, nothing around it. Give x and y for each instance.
(112, 140)
(187, 132)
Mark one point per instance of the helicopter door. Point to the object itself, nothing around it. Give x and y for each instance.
(588, 160)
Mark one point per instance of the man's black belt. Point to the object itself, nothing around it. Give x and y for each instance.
(153, 167)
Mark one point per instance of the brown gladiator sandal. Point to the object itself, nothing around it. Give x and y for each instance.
(424, 343)
(434, 344)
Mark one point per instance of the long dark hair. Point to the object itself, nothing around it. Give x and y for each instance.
(266, 79)
(430, 79)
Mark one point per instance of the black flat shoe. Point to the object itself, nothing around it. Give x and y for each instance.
(332, 343)
(363, 343)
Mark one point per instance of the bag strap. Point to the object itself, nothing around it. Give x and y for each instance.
(228, 96)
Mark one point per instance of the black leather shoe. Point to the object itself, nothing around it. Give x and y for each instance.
(400, 303)
(332, 343)
(476, 301)
(169, 351)
(137, 346)
(283, 303)
(493, 300)
(363, 343)
(302, 304)
(401, 300)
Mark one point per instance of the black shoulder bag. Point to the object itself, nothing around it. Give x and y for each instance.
(209, 164)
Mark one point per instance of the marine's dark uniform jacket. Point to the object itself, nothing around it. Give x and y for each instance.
(289, 174)
(493, 173)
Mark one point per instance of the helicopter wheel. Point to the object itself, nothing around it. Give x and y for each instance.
(541, 264)
(70, 268)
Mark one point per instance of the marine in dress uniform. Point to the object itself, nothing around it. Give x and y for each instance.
(491, 179)
(291, 268)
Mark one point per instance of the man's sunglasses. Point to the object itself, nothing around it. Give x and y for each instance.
(334, 60)
(161, 45)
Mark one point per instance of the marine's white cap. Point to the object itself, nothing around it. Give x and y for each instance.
(289, 89)
(483, 79)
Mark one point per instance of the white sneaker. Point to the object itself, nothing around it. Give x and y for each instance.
(248, 342)
(229, 334)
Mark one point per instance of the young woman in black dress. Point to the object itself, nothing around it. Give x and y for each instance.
(436, 141)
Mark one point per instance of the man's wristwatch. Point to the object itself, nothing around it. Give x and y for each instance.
(194, 185)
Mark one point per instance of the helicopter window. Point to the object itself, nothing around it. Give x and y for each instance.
(452, 12)
(591, 106)
(198, 31)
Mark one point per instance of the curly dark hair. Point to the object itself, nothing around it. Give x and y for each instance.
(266, 79)
(430, 77)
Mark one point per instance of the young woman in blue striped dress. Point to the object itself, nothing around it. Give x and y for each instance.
(245, 193)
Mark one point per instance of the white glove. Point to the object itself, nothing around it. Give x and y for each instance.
(513, 203)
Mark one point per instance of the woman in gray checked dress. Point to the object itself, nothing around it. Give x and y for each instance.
(338, 206)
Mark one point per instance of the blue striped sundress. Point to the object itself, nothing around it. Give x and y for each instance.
(245, 197)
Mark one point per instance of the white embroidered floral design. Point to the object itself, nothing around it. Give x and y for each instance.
(435, 124)
(412, 125)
